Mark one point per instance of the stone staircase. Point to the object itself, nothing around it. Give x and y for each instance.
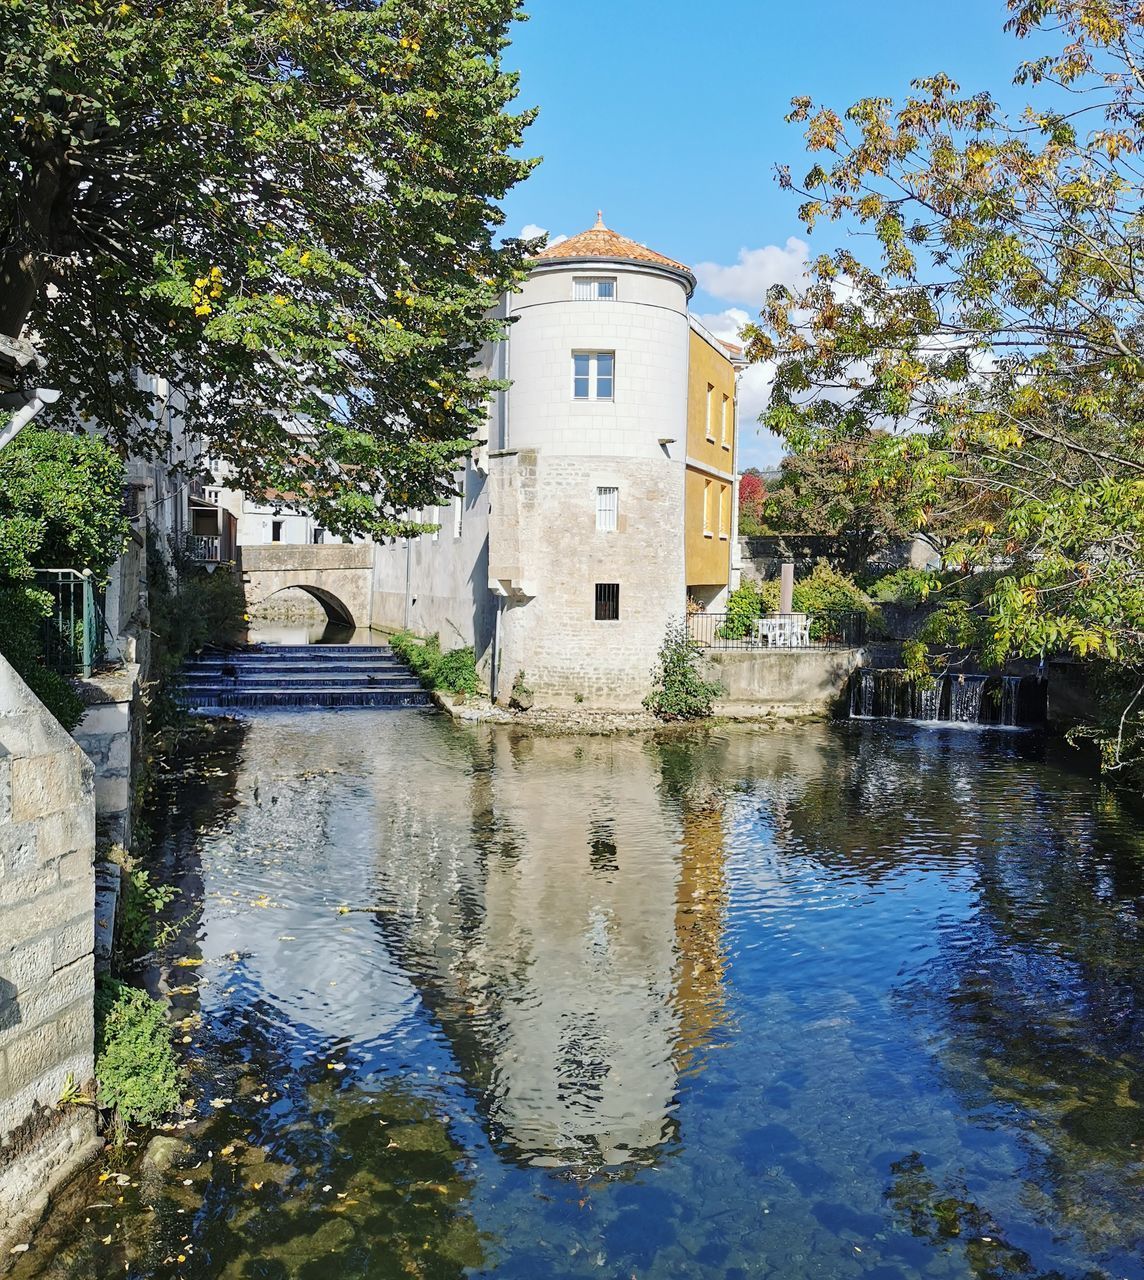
(263, 676)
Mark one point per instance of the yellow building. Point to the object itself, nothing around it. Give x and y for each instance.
(710, 517)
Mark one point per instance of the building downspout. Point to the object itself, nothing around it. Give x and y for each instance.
(494, 682)
(408, 582)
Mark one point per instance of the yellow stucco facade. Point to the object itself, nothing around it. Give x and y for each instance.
(710, 494)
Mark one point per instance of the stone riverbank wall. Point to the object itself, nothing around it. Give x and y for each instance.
(47, 886)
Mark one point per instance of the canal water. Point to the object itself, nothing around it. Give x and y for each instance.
(854, 1000)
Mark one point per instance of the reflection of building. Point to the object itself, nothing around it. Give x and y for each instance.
(604, 492)
(573, 952)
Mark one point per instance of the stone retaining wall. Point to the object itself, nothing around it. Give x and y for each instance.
(47, 843)
(780, 682)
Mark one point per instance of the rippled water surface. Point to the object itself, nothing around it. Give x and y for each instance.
(856, 1000)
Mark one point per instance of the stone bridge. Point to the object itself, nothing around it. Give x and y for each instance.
(338, 575)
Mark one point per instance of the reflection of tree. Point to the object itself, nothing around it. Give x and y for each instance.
(304, 1174)
(1040, 1001)
(951, 1222)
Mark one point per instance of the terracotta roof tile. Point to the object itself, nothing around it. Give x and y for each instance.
(602, 242)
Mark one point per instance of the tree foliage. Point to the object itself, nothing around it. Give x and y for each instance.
(989, 363)
(752, 503)
(60, 507)
(60, 504)
(284, 208)
(834, 491)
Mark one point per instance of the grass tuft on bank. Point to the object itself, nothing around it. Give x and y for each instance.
(452, 672)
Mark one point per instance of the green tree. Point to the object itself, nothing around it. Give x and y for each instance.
(990, 363)
(834, 492)
(284, 207)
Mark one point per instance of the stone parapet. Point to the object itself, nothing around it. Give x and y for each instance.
(47, 887)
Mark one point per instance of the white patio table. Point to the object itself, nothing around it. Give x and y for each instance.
(784, 630)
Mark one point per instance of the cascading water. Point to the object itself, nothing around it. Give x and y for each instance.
(862, 693)
(300, 676)
(952, 697)
(966, 694)
(1010, 699)
(927, 699)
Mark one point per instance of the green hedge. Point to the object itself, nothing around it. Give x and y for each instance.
(822, 591)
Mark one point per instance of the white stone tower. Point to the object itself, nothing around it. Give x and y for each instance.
(586, 470)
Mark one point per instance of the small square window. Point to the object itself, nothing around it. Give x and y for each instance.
(607, 509)
(607, 602)
(593, 289)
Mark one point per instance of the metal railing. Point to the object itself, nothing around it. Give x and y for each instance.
(204, 548)
(829, 629)
(73, 635)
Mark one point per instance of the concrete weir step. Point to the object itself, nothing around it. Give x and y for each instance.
(282, 676)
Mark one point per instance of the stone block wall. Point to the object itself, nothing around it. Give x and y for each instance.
(545, 547)
(110, 735)
(47, 887)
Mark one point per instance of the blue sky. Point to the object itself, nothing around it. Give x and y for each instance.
(669, 117)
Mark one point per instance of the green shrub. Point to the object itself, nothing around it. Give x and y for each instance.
(135, 1064)
(22, 612)
(454, 672)
(457, 672)
(197, 609)
(139, 908)
(905, 586)
(679, 691)
(744, 608)
(823, 591)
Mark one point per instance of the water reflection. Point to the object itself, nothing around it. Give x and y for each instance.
(845, 1001)
(308, 631)
(566, 933)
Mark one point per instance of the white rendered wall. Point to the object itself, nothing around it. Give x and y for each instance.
(645, 325)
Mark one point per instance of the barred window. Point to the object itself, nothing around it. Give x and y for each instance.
(607, 602)
(607, 509)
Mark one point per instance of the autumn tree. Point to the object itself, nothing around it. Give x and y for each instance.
(752, 500)
(991, 359)
(834, 491)
(285, 208)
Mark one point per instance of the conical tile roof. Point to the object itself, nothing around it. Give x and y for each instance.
(602, 242)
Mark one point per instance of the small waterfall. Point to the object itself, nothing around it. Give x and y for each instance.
(955, 697)
(1010, 699)
(862, 691)
(965, 697)
(927, 699)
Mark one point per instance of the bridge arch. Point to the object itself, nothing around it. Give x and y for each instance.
(335, 610)
(339, 576)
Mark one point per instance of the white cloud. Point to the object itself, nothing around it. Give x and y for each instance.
(748, 280)
(530, 231)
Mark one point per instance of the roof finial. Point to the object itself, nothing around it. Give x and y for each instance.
(599, 221)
